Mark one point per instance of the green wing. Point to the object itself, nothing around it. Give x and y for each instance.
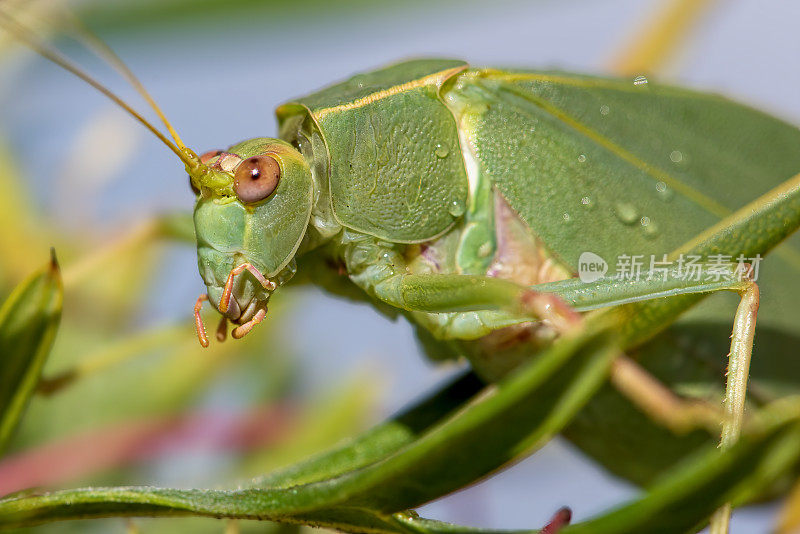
(606, 166)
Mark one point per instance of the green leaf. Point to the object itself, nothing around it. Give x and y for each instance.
(28, 323)
(684, 500)
(431, 450)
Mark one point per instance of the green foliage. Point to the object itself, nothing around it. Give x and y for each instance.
(28, 323)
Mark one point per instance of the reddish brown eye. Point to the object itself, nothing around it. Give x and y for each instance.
(256, 178)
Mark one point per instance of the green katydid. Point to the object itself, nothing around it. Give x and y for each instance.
(432, 185)
(464, 198)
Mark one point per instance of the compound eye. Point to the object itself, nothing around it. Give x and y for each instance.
(256, 178)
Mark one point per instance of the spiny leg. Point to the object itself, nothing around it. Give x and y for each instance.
(654, 398)
(744, 326)
(663, 405)
(658, 401)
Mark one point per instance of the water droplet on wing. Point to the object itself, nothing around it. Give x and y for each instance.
(649, 227)
(456, 208)
(626, 213)
(664, 192)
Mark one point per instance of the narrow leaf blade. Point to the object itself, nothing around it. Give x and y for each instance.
(28, 323)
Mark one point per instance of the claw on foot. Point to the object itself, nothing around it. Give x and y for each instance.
(225, 301)
(198, 321)
(242, 330)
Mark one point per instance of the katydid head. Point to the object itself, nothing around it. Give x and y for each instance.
(249, 224)
(253, 201)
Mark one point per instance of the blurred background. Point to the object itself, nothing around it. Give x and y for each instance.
(129, 396)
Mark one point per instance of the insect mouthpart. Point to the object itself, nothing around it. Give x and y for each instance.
(245, 315)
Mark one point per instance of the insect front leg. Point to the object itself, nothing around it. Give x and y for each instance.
(482, 303)
(468, 307)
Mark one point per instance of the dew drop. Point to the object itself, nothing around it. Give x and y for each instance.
(587, 202)
(676, 156)
(604, 110)
(565, 216)
(649, 227)
(456, 208)
(664, 192)
(626, 213)
(640, 80)
(582, 158)
(441, 150)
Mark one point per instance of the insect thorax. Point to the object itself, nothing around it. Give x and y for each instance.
(304, 134)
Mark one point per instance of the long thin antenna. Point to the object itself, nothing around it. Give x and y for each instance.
(30, 39)
(91, 41)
